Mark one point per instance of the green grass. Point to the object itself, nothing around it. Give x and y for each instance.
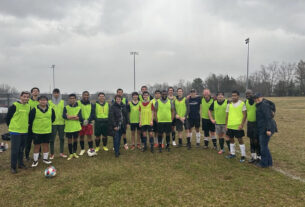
(180, 178)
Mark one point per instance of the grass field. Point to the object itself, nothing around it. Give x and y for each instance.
(180, 178)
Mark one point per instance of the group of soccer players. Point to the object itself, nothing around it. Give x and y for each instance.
(37, 119)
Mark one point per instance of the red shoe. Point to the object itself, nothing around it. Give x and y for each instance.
(156, 145)
(132, 147)
(162, 146)
(139, 146)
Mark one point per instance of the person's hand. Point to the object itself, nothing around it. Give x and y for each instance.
(226, 128)
(116, 128)
(213, 121)
(182, 119)
(268, 133)
(240, 127)
(151, 123)
(177, 116)
(85, 122)
(140, 125)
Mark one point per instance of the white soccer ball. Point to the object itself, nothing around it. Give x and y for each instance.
(50, 172)
(91, 152)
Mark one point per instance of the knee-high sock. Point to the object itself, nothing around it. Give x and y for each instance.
(228, 144)
(232, 149)
(105, 141)
(214, 140)
(97, 142)
(221, 143)
(90, 144)
(74, 146)
(206, 141)
(198, 137)
(82, 144)
(174, 135)
(167, 139)
(70, 148)
(242, 149)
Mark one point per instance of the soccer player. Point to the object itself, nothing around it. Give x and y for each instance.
(147, 121)
(73, 119)
(207, 126)
(235, 120)
(134, 119)
(182, 111)
(124, 101)
(155, 126)
(57, 104)
(41, 119)
(164, 112)
(219, 107)
(143, 89)
(17, 120)
(33, 101)
(252, 128)
(118, 119)
(171, 97)
(194, 116)
(101, 115)
(87, 128)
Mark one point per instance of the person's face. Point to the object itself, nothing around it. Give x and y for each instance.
(164, 95)
(143, 89)
(249, 95)
(193, 94)
(206, 94)
(118, 100)
(170, 92)
(35, 92)
(56, 95)
(135, 97)
(180, 93)
(24, 98)
(235, 97)
(85, 96)
(220, 97)
(101, 98)
(43, 102)
(145, 96)
(157, 95)
(72, 100)
(120, 93)
(258, 100)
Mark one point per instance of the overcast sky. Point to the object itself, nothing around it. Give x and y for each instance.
(89, 41)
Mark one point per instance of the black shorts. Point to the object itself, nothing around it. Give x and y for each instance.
(252, 130)
(194, 123)
(101, 127)
(71, 135)
(207, 127)
(235, 133)
(155, 126)
(134, 126)
(146, 128)
(180, 125)
(165, 127)
(174, 122)
(41, 138)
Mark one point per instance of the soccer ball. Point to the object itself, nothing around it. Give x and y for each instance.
(91, 152)
(50, 172)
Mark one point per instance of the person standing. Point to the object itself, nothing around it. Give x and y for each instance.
(17, 120)
(134, 119)
(194, 116)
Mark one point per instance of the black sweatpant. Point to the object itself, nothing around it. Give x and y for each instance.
(17, 149)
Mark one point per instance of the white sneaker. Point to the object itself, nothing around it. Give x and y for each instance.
(35, 164)
(174, 143)
(46, 161)
(82, 152)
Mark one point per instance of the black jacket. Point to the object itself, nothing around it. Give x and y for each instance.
(264, 118)
(118, 116)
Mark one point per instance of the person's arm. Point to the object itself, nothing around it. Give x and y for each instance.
(140, 117)
(64, 114)
(79, 116)
(187, 103)
(267, 115)
(53, 115)
(211, 109)
(32, 116)
(227, 115)
(93, 110)
(244, 120)
(156, 111)
(152, 114)
(10, 114)
(91, 117)
(173, 110)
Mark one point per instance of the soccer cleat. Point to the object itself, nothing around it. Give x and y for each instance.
(35, 164)
(13, 171)
(63, 155)
(82, 152)
(75, 155)
(51, 157)
(214, 148)
(230, 156)
(152, 148)
(221, 152)
(205, 146)
(139, 146)
(126, 146)
(162, 146)
(156, 145)
(167, 147)
(132, 147)
(242, 159)
(97, 149)
(70, 157)
(174, 143)
(105, 149)
(22, 166)
(46, 161)
(197, 144)
(252, 160)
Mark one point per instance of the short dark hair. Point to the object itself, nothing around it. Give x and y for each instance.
(119, 89)
(34, 89)
(72, 95)
(101, 93)
(86, 92)
(56, 90)
(179, 89)
(145, 92)
(144, 87)
(42, 97)
(164, 91)
(25, 92)
(157, 91)
(117, 96)
(135, 94)
(170, 88)
(220, 92)
(235, 91)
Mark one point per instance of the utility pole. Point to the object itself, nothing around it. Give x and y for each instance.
(247, 82)
(134, 53)
(53, 67)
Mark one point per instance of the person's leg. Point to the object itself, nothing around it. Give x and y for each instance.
(21, 150)
(70, 147)
(173, 132)
(82, 143)
(133, 137)
(230, 134)
(221, 141)
(144, 138)
(266, 159)
(15, 148)
(197, 136)
(61, 134)
(151, 140)
(212, 134)
(242, 148)
(75, 140)
(28, 144)
(205, 129)
(52, 140)
(116, 142)
(45, 149)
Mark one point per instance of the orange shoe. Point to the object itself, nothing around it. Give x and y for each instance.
(221, 152)
(156, 145)
(132, 147)
(162, 145)
(139, 146)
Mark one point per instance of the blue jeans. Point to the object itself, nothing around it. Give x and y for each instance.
(117, 141)
(17, 149)
(266, 160)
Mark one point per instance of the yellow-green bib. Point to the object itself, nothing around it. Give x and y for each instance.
(164, 112)
(101, 112)
(235, 116)
(42, 123)
(146, 114)
(20, 120)
(72, 125)
(58, 109)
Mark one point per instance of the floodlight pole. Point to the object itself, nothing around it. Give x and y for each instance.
(134, 53)
(247, 82)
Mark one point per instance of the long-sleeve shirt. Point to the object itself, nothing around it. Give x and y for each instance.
(80, 117)
(264, 119)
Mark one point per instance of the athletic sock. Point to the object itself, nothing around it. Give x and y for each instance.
(144, 141)
(188, 140)
(35, 156)
(70, 148)
(125, 140)
(232, 149)
(45, 155)
(82, 145)
(74, 147)
(90, 144)
(242, 150)
(190, 135)
(174, 136)
(156, 139)
(167, 139)
(228, 144)
(151, 141)
(180, 141)
(198, 137)
(160, 140)
(97, 142)
(221, 142)
(214, 140)
(253, 155)
(206, 141)
(104, 141)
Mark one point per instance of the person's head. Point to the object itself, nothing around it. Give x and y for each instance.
(170, 91)
(24, 97)
(43, 101)
(193, 93)
(258, 97)
(56, 93)
(180, 92)
(35, 91)
(145, 95)
(164, 94)
(85, 95)
(119, 92)
(157, 94)
(101, 97)
(206, 93)
(135, 96)
(118, 99)
(220, 96)
(249, 94)
(72, 98)
(235, 96)
(143, 88)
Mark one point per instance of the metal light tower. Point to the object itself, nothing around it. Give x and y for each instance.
(53, 67)
(247, 43)
(134, 53)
